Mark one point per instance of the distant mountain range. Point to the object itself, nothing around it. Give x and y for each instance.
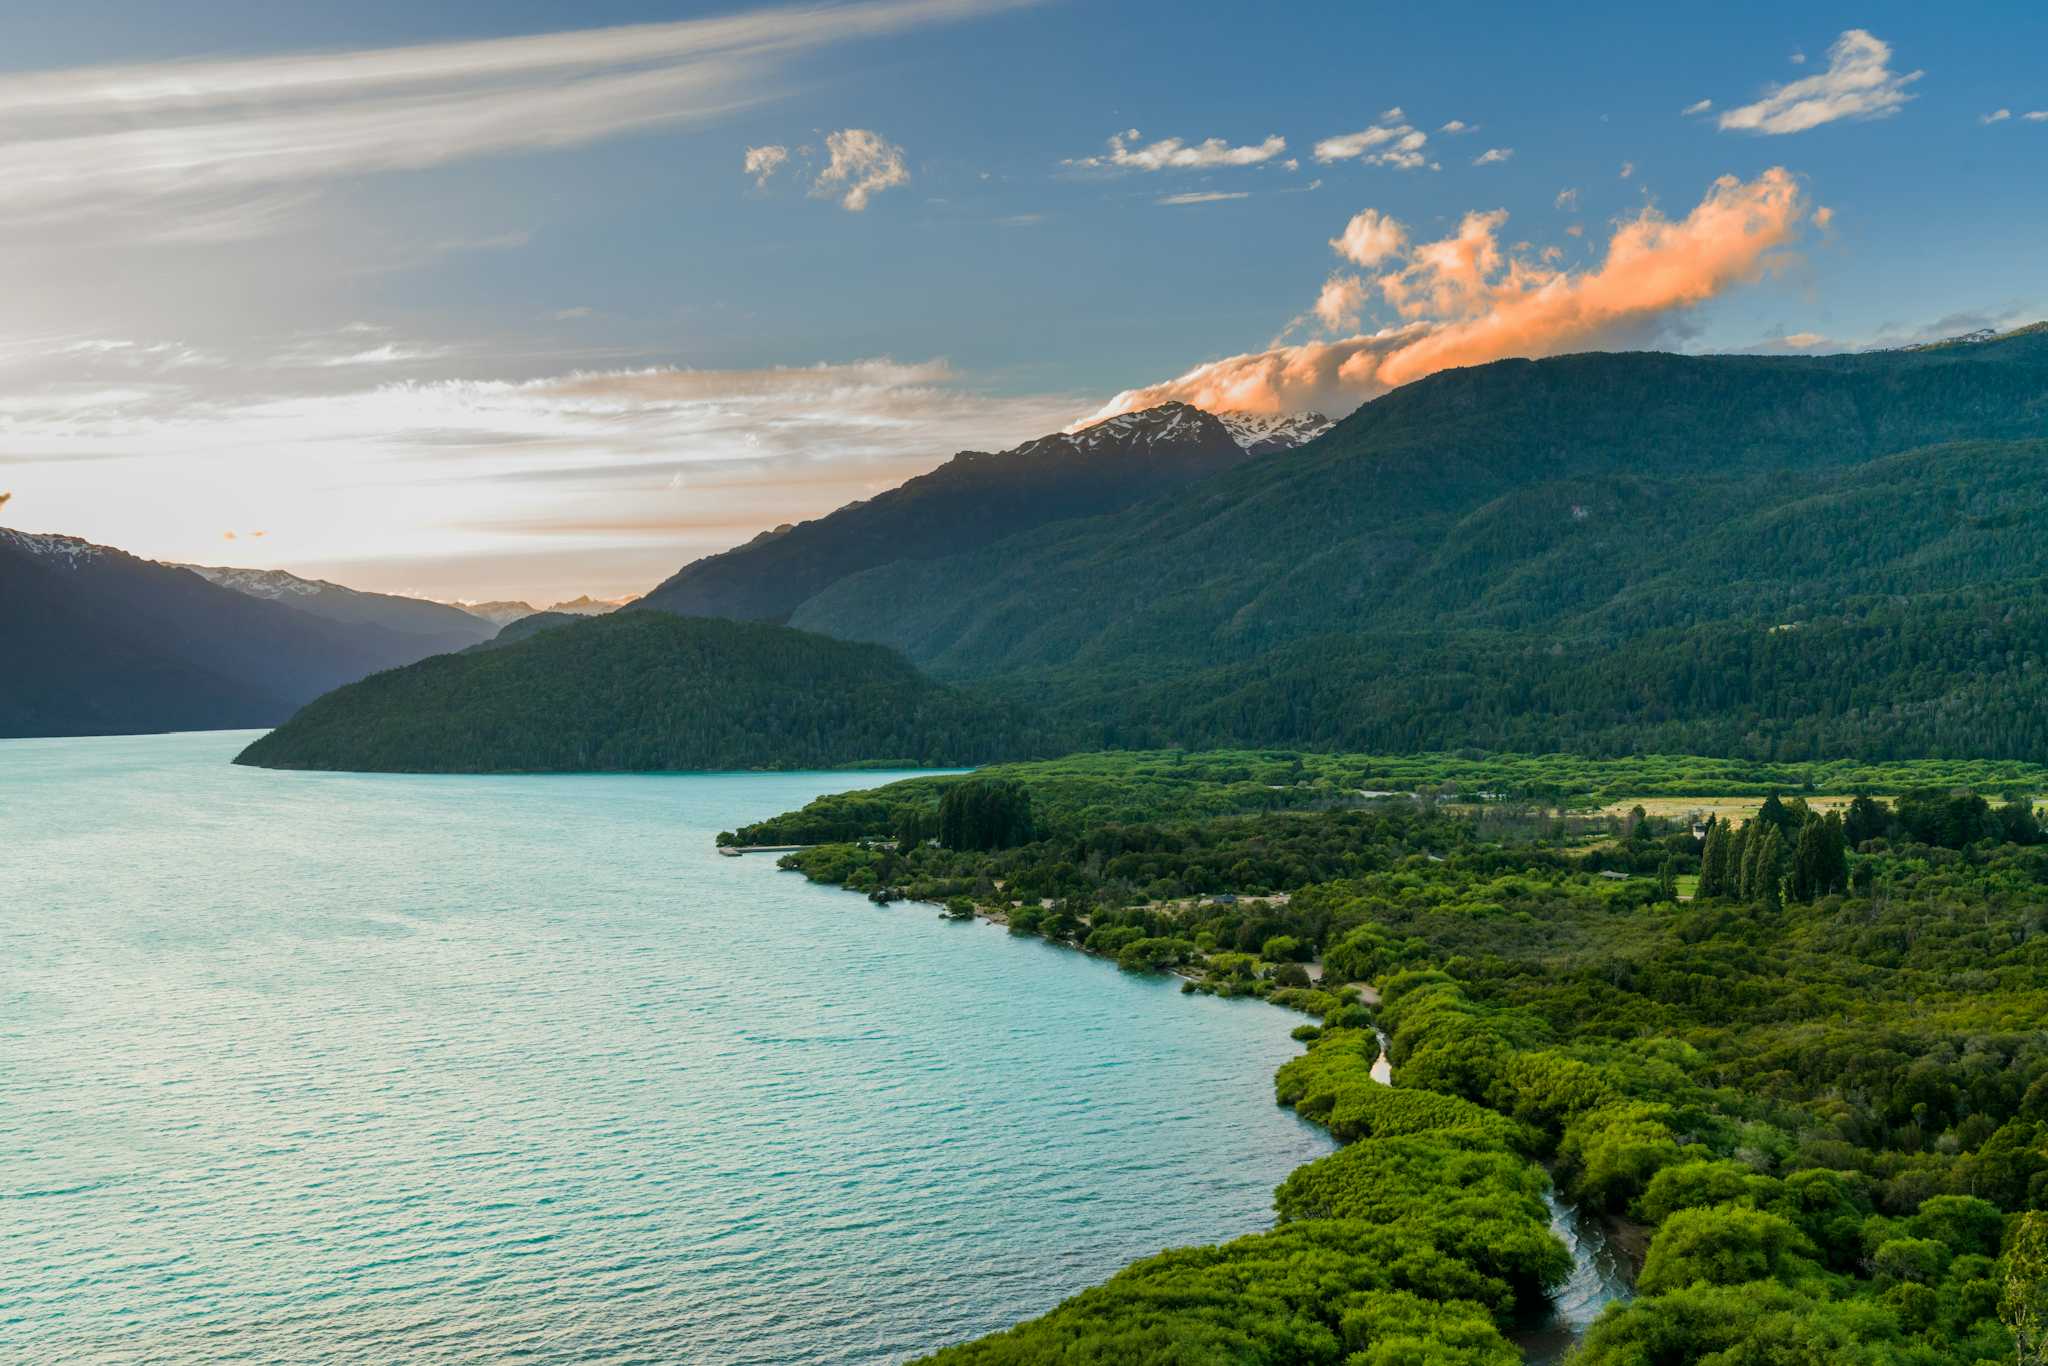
(102, 642)
(504, 613)
(977, 499)
(1641, 552)
(453, 627)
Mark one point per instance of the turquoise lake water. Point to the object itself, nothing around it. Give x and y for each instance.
(329, 1068)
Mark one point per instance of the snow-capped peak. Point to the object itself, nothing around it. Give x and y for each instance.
(261, 583)
(1169, 422)
(1263, 433)
(69, 551)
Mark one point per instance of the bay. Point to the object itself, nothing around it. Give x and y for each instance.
(335, 1068)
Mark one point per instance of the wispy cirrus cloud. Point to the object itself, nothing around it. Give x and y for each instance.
(1493, 156)
(1858, 83)
(470, 485)
(106, 138)
(1202, 197)
(1466, 299)
(1128, 153)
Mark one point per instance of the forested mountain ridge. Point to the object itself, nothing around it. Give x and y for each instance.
(973, 500)
(1564, 553)
(100, 642)
(641, 691)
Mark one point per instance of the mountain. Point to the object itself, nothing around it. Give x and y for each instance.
(648, 691)
(496, 613)
(974, 499)
(520, 628)
(1610, 552)
(587, 606)
(1268, 433)
(448, 628)
(100, 642)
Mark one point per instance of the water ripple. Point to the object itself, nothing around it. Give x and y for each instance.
(335, 1069)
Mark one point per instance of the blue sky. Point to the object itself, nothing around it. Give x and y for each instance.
(438, 314)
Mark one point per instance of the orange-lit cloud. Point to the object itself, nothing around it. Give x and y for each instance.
(1466, 300)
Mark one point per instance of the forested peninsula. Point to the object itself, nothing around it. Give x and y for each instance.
(646, 691)
(1791, 1051)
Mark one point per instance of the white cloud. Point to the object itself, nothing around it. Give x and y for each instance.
(863, 164)
(1370, 237)
(1568, 200)
(111, 138)
(1126, 153)
(1341, 304)
(2036, 116)
(1697, 107)
(1995, 116)
(624, 474)
(1203, 197)
(1390, 142)
(1457, 126)
(1858, 83)
(763, 162)
(1628, 170)
(1493, 156)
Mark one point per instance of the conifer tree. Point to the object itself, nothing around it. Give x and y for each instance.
(1766, 875)
(1714, 864)
(1809, 862)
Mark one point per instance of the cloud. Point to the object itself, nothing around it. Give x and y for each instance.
(1568, 200)
(1390, 142)
(1697, 107)
(2036, 116)
(1341, 302)
(763, 162)
(384, 473)
(1369, 238)
(1995, 116)
(1628, 169)
(1493, 156)
(1172, 154)
(1457, 126)
(863, 164)
(1203, 197)
(1858, 83)
(1465, 300)
(114, 138)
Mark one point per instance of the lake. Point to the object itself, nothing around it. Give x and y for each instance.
(331, 1068)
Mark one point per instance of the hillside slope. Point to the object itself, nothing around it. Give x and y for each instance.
(973, 500)
(1526, 552)
(443, 627)
(648, 691)
(99, 642)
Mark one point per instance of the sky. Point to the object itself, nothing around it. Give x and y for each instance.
(530, 299)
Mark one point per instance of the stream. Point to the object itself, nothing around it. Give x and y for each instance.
(1601, 1273)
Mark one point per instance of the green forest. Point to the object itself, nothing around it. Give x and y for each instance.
(1764, 558)
(1812, 1098)
(651, 692)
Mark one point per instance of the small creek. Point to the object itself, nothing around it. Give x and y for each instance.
(1601, 1272)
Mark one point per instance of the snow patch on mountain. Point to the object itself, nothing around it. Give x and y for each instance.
(67, 551)
(1264, 433)
(270, 584)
